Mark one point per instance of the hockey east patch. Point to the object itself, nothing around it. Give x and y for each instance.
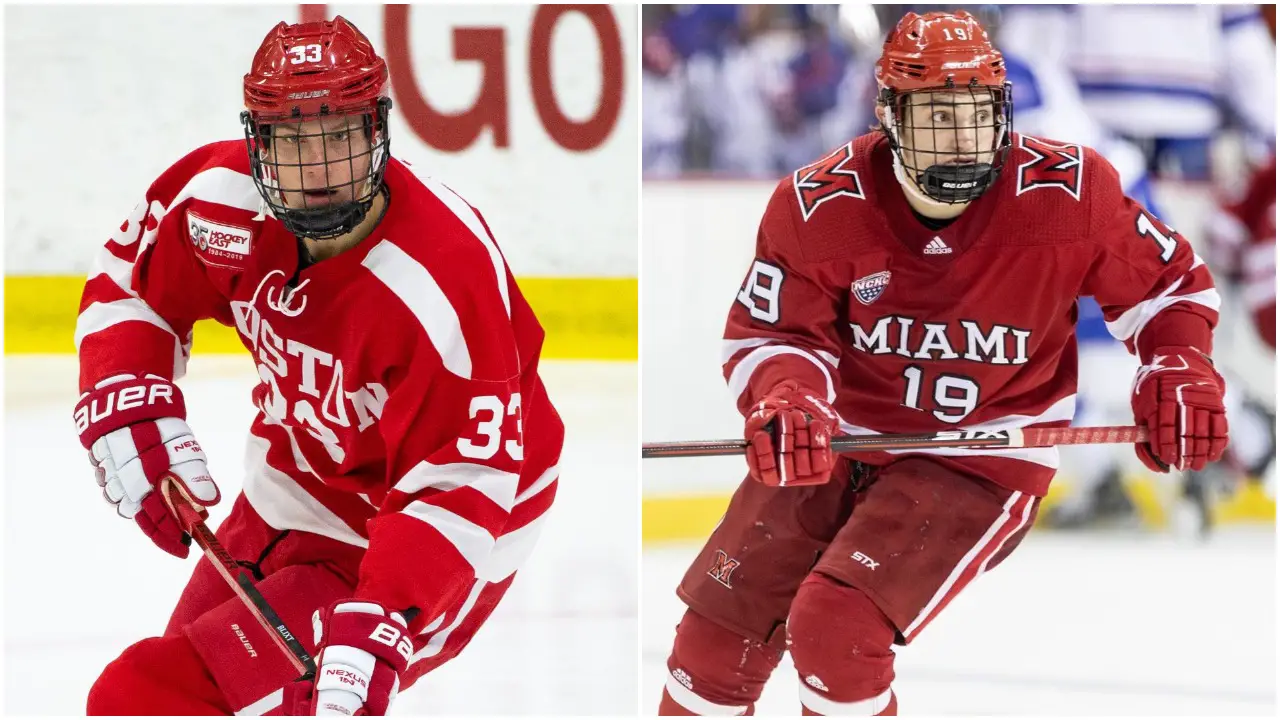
(219, 244)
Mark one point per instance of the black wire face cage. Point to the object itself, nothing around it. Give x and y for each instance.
(313, 182)
(953, 142)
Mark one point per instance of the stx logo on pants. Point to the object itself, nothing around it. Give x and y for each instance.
(871, 564)
(723, 568)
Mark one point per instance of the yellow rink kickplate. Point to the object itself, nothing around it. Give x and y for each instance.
(585, 318)
(686, 518)
(681, 517)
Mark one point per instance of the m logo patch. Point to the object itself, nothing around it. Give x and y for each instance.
(722, 569)
(831, 177)
(869, 289)
(1051, 165)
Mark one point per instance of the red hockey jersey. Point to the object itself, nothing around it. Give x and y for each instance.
(1247, 229)
(907, 329)
(400, 407)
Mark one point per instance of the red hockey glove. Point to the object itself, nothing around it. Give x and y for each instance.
(136, 433)
(789, 436)
(363, 649)
(1179, 398)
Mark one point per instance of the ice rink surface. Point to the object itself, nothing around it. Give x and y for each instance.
(1069, 624)
(82, 584)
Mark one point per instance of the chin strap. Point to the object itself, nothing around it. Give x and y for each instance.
(915, 186)
(913, 189)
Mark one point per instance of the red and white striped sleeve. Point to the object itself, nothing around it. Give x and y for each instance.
(146, 289)
(452, 424)
(783, 323)
(1154, 290)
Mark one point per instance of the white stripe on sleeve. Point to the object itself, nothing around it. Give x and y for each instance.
(473, 542)
(510, 551)
(223, 186)
(120, 271)
(1130, 324)
(419, 291)
(100, 316)
(436, 642)
(459, 207)
(546, 478)
(743, 371)
(729, 348)
(497, 485)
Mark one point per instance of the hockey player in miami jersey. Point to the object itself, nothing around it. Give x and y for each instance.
(404, 451)
(920, 278)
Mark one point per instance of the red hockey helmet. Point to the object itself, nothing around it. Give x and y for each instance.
(956, 134)
(303, 73)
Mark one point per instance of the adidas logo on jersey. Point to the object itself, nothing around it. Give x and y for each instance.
(937, 247)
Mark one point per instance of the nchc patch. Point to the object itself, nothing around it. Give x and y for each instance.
(869, 289)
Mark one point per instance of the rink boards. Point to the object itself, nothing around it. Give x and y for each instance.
(586, 318)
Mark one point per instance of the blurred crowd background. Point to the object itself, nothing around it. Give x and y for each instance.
(757, 90)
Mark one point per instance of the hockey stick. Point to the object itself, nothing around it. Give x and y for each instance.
(1033, 437)
(238, 579)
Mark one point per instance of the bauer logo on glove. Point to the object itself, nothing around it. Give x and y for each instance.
(137, 435)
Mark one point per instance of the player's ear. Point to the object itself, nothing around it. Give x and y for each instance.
(880, 113)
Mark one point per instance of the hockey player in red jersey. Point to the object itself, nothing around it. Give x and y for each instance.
(920, 278)
(405, 450)
(1243, 238)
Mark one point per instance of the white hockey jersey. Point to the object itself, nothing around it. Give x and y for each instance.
(1162, 71)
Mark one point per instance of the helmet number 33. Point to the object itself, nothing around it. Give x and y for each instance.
(304, 53)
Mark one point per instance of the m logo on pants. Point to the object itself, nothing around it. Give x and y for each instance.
(723, 568)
